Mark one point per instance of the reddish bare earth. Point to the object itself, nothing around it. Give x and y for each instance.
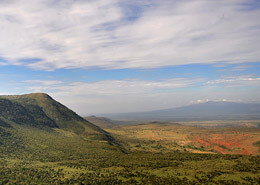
(230, 141)
(165, 137)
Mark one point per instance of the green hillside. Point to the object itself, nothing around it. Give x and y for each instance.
(27, 115)
(39, 110)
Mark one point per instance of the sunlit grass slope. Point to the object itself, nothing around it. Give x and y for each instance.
(48, 145)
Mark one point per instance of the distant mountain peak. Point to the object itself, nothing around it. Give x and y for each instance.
(211, 110)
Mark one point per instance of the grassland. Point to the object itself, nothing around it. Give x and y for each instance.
(165, 137)
(70, 150)
(54, 156)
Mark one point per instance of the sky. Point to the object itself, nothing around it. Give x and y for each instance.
(112, 56)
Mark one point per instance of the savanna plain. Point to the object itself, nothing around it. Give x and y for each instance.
(43, 142)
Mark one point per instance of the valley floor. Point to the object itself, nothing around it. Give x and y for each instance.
(195, 137)
(53, 156)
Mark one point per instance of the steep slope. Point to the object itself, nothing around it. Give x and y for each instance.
(40, 110)
(102, 122)
(3, 123)
(202, 111)
(29, 114)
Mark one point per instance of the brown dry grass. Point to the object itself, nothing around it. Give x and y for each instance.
(164, 137)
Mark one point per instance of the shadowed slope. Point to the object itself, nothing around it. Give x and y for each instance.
(30, 114)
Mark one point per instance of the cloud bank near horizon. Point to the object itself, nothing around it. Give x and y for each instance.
(113, 96)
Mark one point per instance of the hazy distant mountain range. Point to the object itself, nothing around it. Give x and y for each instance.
(202, 111)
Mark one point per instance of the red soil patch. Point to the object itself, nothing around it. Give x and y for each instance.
(228, 142)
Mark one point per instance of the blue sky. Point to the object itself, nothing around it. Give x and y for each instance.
(124, 56)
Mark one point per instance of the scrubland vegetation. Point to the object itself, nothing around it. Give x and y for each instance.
(85, 154)
(54, 156)
(166, 137)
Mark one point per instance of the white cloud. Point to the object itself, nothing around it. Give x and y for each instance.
(114, 95)
(241, 68)
(216, 100)
(6, 93)
(95, 103)
(236, 81)
(76, 34)
(200, 101)
(111, 87)
(44, 82)
(136, 95)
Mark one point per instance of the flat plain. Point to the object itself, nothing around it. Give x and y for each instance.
(195, 137)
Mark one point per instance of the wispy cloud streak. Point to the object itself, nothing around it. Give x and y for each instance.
(86, 34)
(111, 87)
(236, 81)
